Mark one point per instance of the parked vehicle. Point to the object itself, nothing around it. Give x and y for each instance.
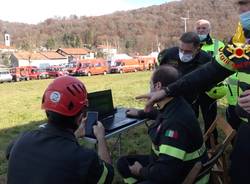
(5, 76)
(43, 74)
(19, 73)
(71, 68)
(90, 67)
(24, 73)
(126, 65)
(36, 73)
(56, 71)
(147, 62)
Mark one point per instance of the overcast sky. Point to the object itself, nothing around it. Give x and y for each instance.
(35, 11)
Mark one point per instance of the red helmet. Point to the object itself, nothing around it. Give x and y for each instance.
(66, 95)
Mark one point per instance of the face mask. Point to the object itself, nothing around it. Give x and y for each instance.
(245, 20)
(185, 57)
(202, 37)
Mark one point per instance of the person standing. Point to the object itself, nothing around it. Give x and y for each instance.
(207, 101)
(185, 58)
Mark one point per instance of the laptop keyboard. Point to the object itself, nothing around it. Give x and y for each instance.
(113, 123)
(123, 122)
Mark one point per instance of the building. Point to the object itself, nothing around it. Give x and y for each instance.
(75, 54)
(107, 50)
(6, 49)
(38, 59)
(7, 39)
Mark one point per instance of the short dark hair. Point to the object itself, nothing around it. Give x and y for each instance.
(243, 2)
(190, 37)
(165, 74)
(61, 121)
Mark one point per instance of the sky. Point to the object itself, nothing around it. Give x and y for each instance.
(35, 11)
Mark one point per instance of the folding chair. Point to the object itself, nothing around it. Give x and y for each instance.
(200, 172)
(220, 169)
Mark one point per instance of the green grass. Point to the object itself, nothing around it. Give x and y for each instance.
(21, 109)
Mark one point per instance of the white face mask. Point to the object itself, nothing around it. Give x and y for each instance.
(185, 57)
(202, 36)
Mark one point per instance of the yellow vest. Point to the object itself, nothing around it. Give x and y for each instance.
(213, 47)
(232, 92)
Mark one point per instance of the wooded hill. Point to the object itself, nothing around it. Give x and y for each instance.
(132, 31)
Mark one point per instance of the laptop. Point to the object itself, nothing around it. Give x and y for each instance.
(111, 118)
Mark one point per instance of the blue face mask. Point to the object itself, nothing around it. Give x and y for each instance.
(202, 36)
(245, 20)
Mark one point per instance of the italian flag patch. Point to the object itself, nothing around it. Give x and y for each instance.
(172, 134)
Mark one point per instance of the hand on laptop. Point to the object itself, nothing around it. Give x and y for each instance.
(99, 131)
(135, 168)
(132, 112)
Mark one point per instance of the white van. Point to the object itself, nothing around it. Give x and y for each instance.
(5, 76)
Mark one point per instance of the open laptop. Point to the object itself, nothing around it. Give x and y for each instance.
(111, 118)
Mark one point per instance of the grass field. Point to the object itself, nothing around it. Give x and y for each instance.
(21, 108)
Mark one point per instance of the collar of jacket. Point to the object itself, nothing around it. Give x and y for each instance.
(207, 41)
(171, 107)
(57, 131)
(161, 104)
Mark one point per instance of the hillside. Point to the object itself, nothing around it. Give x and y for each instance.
(130, 31)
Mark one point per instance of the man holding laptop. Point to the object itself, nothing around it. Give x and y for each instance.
(177, 142)
(52, 154)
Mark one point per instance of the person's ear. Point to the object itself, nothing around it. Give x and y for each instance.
(79, 119)
(158, 85)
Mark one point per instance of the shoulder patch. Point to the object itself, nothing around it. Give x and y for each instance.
(172, 133)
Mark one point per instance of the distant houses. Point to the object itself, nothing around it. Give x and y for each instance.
(38, 59)
(108, 51)
(4, 48)
(49, 58)
(13, 57)
(74, 54)
(41, 58)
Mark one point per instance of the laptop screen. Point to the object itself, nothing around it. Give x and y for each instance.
(102, 102)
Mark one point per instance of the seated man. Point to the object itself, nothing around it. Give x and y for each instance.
(52, 154)
(177, 142)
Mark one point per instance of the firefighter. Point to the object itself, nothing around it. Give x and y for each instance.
(185, 58)
(177, 142)
(208, 44)
(240, 157)
(190, 45)
(177, 57)
(232, 93)
(206, 101)
(230, 59)
(51, 154)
